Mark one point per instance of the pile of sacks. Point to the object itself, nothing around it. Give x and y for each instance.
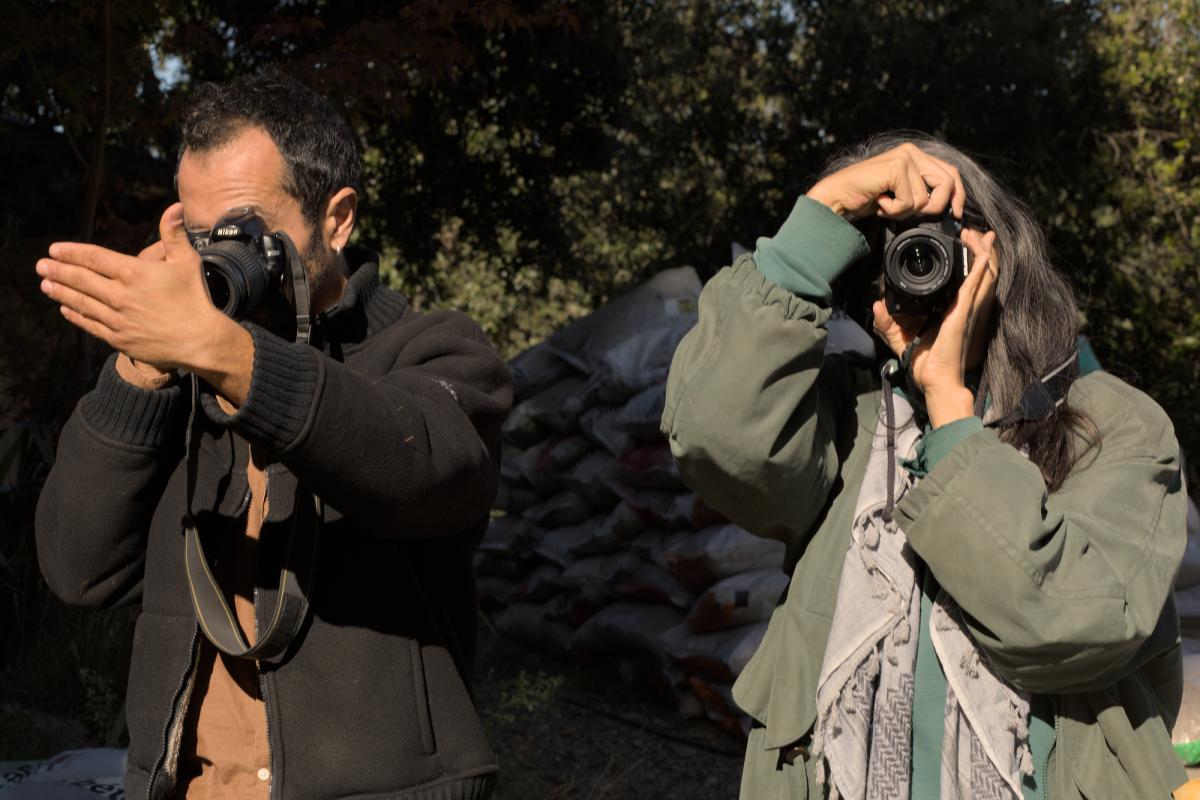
(73, 775)
(597, 548)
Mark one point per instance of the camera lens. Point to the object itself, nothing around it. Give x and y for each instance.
(235, 276)
(920, 265)
(219, 290)
(918, 260)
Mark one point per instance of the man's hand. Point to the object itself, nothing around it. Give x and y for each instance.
(138, 373)
(939, 361)
(903, 182)
(154, 309)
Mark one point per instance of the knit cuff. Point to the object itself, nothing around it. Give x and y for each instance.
(283, 390)
(937, 443)
(118, 410)
(811, 249)
(941, 440)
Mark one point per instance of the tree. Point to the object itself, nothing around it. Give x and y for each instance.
(1144, 234)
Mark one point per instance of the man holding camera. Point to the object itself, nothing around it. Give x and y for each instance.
(294, 495)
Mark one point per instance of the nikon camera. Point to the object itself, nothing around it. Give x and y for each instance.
(244, 264)
(924, 264)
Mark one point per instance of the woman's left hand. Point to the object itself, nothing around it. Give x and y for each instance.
(945, 352)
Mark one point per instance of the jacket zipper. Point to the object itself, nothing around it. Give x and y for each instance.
(183, 682)
(262, 689)
(262, 679)
(1049, 755)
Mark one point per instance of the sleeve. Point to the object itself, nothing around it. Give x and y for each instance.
(1059, 590)
(752, 404)
(937, 443)
(412, 453)
(115, 454)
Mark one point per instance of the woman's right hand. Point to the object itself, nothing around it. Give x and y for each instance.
(903, 182)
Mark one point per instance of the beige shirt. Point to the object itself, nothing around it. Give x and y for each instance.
(225, 750)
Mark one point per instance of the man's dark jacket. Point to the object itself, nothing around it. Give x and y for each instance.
(393, 420)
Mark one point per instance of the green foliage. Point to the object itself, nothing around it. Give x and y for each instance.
(529, 694)
(491, 280)
(1146, 236)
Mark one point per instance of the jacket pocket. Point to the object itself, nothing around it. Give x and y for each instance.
(1091, 760)
(777, 772)
(821, 599)
(1115, 744)
(798, 774)
(421, 695)
(457, 731)
(158, 674)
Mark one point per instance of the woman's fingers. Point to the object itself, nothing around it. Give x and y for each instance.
(941, 175)
(899, 204)
(939, 197)
(897, 184)
(893, 332)
(918, 189)
(920, 185)
(944, 191)
(957, 323)
(980, 245)
(887, 328)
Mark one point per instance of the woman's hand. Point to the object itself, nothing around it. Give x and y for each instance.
(903, 182)
(949, 349)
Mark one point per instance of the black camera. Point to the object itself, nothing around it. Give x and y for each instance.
(924, 264)
(243, 262)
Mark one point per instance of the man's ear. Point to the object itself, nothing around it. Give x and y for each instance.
(341, 212)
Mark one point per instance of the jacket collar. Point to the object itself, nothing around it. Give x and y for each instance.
(365, 307)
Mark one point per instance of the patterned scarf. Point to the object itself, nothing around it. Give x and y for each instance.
(862, 741)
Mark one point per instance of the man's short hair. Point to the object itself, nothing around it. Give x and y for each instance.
(317, 144)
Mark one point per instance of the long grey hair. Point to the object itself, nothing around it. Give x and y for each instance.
(1034, 324)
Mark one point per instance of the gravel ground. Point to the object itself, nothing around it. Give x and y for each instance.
(566, 730)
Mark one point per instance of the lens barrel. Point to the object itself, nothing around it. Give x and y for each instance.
(917, 264)
(235, 275)
(924, 263)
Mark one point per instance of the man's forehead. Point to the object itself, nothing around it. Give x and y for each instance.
(246, 171)
(193, 226)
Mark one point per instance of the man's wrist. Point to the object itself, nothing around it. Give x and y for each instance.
(142, 375)
(225, 359)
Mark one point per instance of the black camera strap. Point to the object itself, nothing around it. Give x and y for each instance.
(217, 620)
(1040, 398)
(300, 296)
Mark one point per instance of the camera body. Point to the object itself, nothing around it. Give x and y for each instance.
(924, 264)
(243, 262)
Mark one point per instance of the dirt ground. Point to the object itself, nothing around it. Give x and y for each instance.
(560, 729)
(566, 730)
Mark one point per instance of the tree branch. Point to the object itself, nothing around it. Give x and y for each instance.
(53, 107)
(96, 174)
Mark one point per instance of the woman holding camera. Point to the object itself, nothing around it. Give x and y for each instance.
(982, 544)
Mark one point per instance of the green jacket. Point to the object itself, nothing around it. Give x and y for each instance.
(1067, 595)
